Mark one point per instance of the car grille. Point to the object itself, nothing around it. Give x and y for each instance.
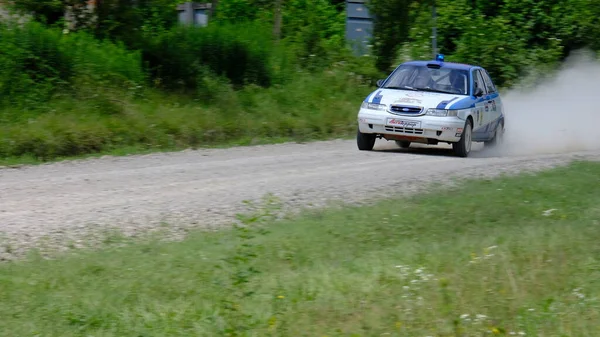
(408, 110)
(404, 130)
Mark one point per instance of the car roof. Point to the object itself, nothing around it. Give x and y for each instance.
(449, 65)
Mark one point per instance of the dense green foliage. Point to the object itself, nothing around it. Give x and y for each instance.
(39, 64)
(241, 53)
(511, 38)
(106, 70)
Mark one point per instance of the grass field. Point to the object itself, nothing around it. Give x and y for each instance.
(489, 258)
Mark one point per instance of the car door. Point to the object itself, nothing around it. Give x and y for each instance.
(481, 103)
(496, 108)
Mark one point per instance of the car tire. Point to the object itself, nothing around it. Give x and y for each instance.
(403, 144)
(462, 148)
(498, 136)
(365, 141)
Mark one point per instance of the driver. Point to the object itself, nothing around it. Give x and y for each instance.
(423, 78)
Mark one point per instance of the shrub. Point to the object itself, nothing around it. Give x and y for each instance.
(104, 62)
(39, 63)
(32, 63)
(241, 53)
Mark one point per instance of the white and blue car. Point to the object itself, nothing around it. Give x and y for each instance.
(430, 102)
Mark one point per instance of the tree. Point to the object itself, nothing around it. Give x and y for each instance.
(391, 28)
(50, 12)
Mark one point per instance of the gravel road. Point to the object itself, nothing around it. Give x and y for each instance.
(60, 204)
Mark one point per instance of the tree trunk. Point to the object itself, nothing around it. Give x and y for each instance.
(213, 8)
(277, 23)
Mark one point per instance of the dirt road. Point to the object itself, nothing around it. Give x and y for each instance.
(64, 202)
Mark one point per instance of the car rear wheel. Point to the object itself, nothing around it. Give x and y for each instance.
(403, 144)
(498, 136)
(462, 148)
(365, 141)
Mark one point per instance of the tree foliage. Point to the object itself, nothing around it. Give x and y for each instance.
(391, 29)
(509, 37)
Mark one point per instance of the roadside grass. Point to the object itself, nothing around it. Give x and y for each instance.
(487, 258)
(310, 107)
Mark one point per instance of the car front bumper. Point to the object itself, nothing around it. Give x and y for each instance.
(418, 129)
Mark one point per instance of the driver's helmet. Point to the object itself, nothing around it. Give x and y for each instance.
(423, 78)
(457, 81)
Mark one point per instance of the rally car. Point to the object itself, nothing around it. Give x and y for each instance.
(430, 102)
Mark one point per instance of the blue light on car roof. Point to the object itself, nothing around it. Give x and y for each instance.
(439, 57)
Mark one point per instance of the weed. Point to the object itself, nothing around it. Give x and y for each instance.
(241, 269)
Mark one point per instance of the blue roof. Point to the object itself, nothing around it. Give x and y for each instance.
(450, 65)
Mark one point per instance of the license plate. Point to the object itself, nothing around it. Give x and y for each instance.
(404, 123)
(410, 138)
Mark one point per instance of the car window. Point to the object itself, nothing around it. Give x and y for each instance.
(488, 82)
(446, 80)
(478, 81)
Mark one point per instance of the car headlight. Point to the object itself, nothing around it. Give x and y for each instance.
(442, 112)
(372, 106)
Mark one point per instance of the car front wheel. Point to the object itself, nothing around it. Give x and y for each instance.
(462, 148)
(365, 141)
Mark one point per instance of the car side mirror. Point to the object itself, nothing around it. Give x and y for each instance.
(379, 83)
(478, 92)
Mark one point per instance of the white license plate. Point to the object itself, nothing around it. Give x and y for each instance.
(404, 123)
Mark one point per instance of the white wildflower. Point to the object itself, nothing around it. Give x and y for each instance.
(578, 294)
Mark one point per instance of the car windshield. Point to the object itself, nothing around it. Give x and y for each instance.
(417, 77)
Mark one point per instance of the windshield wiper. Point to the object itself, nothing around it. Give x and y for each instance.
(402, 87)
(434, 90)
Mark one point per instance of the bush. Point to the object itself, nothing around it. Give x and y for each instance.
(104, 62)
(39, 64)
(240, 53)
(33, 65)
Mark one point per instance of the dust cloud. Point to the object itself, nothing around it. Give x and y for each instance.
(559, 115)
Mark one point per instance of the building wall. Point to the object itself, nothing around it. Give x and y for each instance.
(359, 26)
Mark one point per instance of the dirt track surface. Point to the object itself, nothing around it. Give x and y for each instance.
(64, 202)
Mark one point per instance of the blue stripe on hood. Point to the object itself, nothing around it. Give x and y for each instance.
(465, 103)
(377, 98)
(444, 103)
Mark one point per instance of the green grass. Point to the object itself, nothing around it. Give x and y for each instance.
(405, 267)
(310, 107)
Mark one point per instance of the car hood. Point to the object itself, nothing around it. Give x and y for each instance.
(424, 99)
